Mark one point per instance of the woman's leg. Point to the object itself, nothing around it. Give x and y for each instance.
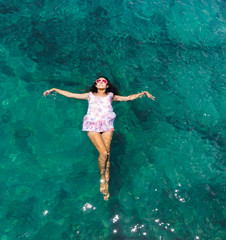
(107, 138)
(98, 142)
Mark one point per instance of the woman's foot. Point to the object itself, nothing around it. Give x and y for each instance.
(103, 186)
(106, 197)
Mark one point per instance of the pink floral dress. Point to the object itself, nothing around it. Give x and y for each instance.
(100, 116)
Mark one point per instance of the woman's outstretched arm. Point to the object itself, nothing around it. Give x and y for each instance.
(84, 96)
(132, 97)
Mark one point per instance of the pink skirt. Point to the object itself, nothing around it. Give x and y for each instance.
(102, 125)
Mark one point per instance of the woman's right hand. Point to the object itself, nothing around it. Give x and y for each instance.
(48, 92)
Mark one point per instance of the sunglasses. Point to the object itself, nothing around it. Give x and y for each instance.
(101, 80)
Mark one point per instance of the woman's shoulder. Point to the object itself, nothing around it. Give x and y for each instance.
(110, 94)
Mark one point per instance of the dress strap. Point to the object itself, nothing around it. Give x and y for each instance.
(90, 95)
(111, 95)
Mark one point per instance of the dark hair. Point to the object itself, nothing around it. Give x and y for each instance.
(111, 87)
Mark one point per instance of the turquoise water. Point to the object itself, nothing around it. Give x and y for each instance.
(168, 156)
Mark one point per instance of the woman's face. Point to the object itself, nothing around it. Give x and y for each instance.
(101, 83)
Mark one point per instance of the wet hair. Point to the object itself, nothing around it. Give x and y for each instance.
(111, 87)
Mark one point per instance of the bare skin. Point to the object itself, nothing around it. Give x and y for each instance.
(102, 142)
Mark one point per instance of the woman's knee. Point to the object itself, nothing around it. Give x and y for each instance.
(103, 154)
(108, 156)
(108, 164)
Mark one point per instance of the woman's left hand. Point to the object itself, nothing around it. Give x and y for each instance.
(149, 95)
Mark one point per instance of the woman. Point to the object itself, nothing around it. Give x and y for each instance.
(100, 119)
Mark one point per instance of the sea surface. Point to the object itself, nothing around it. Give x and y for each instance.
(167, 179)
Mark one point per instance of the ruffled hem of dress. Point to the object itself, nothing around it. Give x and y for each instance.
(101, 125)
(92, 130)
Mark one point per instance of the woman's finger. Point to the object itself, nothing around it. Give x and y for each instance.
(46, 93)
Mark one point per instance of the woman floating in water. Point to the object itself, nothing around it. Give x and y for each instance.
(99, 120)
